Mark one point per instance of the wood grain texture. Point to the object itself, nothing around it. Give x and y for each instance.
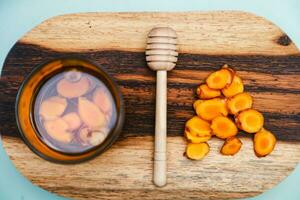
(263, 55)
(275, 88)
(125, 170)
(197, 33)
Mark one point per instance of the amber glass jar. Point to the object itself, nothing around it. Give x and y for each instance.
(69, 110)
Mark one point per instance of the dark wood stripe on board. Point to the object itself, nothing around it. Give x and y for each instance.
(26, 55)
(274, 81)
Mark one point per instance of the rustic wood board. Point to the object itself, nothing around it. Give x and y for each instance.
(265, 58)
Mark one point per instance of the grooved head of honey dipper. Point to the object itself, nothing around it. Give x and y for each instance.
(161, 50)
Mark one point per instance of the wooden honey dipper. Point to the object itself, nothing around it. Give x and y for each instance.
(161, 56)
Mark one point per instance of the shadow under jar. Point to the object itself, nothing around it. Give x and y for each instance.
(69, 110)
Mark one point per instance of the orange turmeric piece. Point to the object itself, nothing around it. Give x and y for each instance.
(197, 151)
(210, 109)
(231, 146)
(197, 130)
(234, 88)
(221, 99)
(264, 142)
(221, 78)
(196, 103)
(223, 127)
(239, 103)
(204, 92)
(250, 120)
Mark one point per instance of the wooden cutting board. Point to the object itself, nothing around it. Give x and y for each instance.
(265, 58)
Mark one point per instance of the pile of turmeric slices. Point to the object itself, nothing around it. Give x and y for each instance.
(223, 108)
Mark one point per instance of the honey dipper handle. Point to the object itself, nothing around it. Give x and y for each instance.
(160, 165)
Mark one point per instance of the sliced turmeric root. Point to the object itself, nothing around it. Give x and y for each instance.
(102, 100)
(264, 142)
(234, 88)
(196, 103)
(239, 103)
(221, 78)
(58, 130)
(204, 92)
(223, 127)
(53, 107)
(97, 137)
(197, 130)
(73, 120)
(71, 89)
(209, 109)
(87, 136)
(73, 75)
(250, 120)
(231, 146)
(90, 114)
(197, 151)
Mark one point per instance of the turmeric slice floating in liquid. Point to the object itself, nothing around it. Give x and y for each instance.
(73, 120)
(197, 151)
(204, 92)
(210, 109)
(197, 130)
(234, 88)
(264, 142)
(223, 127)
(72, 89)
(90, 114)
(53, 107)
(221, 78)
(231, 146)
(239, 103)
(250, 120)
(58, 130)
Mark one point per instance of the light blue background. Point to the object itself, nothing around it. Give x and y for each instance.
(19, 16)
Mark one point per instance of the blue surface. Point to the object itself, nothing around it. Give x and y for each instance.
(19, 16)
